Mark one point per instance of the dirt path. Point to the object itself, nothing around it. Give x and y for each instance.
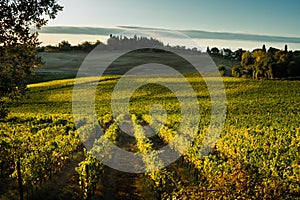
(64, 185)
(121, 185)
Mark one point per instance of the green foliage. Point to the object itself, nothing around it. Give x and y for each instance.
(41, 143)
(257, 156)
(89, 172)
(17, 44)
(123, 42)
(215, 51)
(64, 46)
(269, 65)
(236, 71)
(17, 63)
(90, 169)
(162, 180)
(222, 69)
(88, 46)
(208, 50)
(3, 110)
(117, 43)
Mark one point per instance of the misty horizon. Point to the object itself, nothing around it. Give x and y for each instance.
(55, 34)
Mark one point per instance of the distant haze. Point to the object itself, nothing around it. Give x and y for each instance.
(75, 35)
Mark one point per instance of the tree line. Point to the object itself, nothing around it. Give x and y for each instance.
(261, 63)
(115, 43)
(226, 53)
(269, 64)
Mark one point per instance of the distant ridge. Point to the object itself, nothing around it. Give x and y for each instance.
(197, 34)
(78, 30)
(239, 36)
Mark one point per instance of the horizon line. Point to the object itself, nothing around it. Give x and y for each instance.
(193, 33)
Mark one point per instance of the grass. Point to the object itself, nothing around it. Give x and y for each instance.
(64, 65)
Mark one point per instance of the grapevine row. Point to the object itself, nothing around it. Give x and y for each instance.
(90, 169)
(35, 149)
(154, 168)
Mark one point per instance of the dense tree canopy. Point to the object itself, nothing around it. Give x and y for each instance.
(18, 44)
(260, 64)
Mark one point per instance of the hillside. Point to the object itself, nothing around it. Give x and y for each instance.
(62, 65)
(259, 143)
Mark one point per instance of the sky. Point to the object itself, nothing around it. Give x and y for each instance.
(265, 17)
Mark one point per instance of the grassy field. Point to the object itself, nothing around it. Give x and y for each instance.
(64, 65)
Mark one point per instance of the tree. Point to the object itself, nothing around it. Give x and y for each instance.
(247, 63)
(235, 71)
(18, 45)
(113, 42)
(226, 53)
(272, 50)
(208, 50)
(87, 46)
(262, 64)
(237, 55)
(64, 46)
(272, 64)
(281, 65)
(215, 51)
(222, 69)
(264, 48)
(285, 48)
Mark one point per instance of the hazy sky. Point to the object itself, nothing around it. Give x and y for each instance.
(270, 17)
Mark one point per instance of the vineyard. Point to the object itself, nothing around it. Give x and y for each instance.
(256, 157)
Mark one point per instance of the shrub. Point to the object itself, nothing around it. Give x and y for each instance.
(236, 71)
(3, 110)
(222, 69)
